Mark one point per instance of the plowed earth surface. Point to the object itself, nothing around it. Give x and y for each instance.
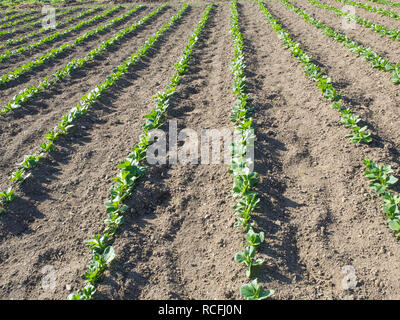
(178, 240)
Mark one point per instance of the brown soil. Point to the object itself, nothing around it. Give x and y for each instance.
(48, 32)
(36, 75)
(384, 46)
(23, 130)
(319, 198)
(20, 59)
(373, 16)
(20, 30)
(178, 240)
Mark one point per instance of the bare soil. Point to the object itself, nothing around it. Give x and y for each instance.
(39, 36)
(178, 240)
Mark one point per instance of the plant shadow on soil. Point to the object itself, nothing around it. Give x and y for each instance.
(146, 197)
(48, 170)
(152, 194)
(16, 221)
(354, 102)
(38, 102)
(272, 212)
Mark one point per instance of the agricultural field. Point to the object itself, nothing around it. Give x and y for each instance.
(109, 188)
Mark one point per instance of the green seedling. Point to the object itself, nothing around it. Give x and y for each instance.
(348, 119)
(254, 239)
(253, 291)
(396, 75)
(391, 205)
(85, 294)
(242, 184)
(7, 196)
(359, 135)
(394, 224)
(245, 206)
(29, 162)
(100, 260)
(247, 257)
(379, 175)
(382, 181)
(98, 243)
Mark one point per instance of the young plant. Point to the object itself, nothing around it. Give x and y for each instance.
(247, 257)
(85, 294)
(253, 291)
(382, 181)
(359, 135)
(244, 208)
(254, 239)
(379, 175)
(391, 205)
(6, 197)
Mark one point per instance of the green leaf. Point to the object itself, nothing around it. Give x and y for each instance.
(240, 257)
(394, 224)
(253, 291)
(109, 255)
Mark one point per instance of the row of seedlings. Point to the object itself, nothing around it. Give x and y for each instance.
(393, 34)
(10, 32)
(380, 176)
(367, 7)
(367, 54)
(387, 2)
(26, 94)
(31, 161)
(20, 21)
(131, 170)
(17, 15)
(348, 118)
(46, 40)
(52, 54)
(60, 24)
(244, 179)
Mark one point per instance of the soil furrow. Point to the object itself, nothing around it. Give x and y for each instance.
(76, 179)
(21, 59)
(368, 91)
(17, 18)
(34, 16)
(315, 196)
(380, 5)
(323, 224)
(33, 77)
(38, 36)
(23, 130)
(372, 16)
(20, 31)
(184, 211)
(384, 46)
